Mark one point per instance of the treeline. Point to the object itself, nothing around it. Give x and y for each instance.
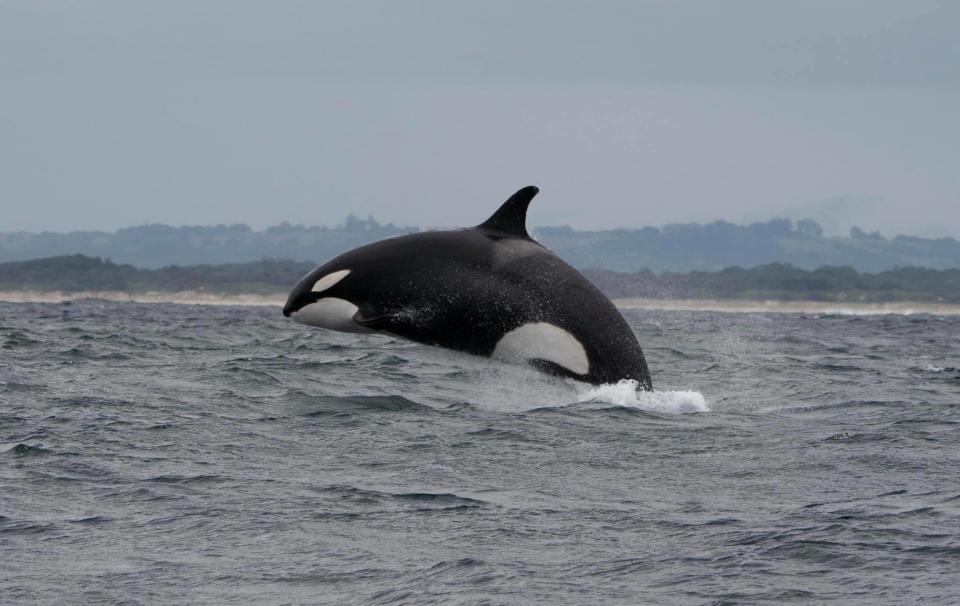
(777, 281)
(79, 273)
(156, 245)
(714, 246)
(675, 248)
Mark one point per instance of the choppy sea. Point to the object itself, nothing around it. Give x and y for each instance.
(198, 454)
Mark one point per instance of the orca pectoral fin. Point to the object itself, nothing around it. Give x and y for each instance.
(552, 368)
(378, 322)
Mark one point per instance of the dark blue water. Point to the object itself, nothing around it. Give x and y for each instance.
(190, 454)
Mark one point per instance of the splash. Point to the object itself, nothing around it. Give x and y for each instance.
(939, 369)
(496, 386)
(626, 393)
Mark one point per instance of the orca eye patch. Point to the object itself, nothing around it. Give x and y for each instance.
(329, 280)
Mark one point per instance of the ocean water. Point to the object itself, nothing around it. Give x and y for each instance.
(198, 454)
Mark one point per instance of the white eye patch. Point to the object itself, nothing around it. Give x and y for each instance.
(329, 280)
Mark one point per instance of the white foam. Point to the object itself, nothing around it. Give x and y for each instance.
(625, 393)
(846, 311)
(512, 388)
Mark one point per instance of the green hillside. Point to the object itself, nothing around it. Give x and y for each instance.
(78, 273)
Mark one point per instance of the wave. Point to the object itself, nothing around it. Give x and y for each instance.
(938, 369)
(198, 297)
(626, 393)
(516, 389)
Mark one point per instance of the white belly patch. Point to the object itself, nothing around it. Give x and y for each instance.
(543, 341)
(330, 312)
(329, 280)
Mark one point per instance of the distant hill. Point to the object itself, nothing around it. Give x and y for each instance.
(155, 245)
(715, 246)
(678, 247)
(779, 282)
(77, 273)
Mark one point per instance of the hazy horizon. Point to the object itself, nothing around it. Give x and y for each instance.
(625, 114)
(533, 227)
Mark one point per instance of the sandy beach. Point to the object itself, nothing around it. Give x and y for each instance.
(194, 297)
(808, 307)
(187, 297)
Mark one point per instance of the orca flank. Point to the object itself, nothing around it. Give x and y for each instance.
(489, 290)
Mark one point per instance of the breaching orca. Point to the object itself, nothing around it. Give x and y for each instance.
(489, 290)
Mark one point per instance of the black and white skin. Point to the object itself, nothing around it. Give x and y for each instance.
(489, 290)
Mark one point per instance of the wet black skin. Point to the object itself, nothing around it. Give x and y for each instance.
(465, 289)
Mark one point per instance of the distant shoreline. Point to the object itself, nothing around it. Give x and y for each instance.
(186, 297)
(790, 307)
(196, 297)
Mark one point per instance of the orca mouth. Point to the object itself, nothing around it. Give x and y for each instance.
(331, 313)
(297, 302)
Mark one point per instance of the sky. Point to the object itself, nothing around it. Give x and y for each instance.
(624, 113)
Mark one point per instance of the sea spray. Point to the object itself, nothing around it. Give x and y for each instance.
(626, 393)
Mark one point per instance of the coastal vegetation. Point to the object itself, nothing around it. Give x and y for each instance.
(670, 248)
(776, 281)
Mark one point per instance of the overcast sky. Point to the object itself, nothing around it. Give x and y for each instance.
(431, 113)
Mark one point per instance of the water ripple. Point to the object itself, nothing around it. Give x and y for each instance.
(192, 454)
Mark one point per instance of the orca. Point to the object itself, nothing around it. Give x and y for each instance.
(489, 290)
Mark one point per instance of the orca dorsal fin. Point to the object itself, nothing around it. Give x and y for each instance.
(511, 217)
